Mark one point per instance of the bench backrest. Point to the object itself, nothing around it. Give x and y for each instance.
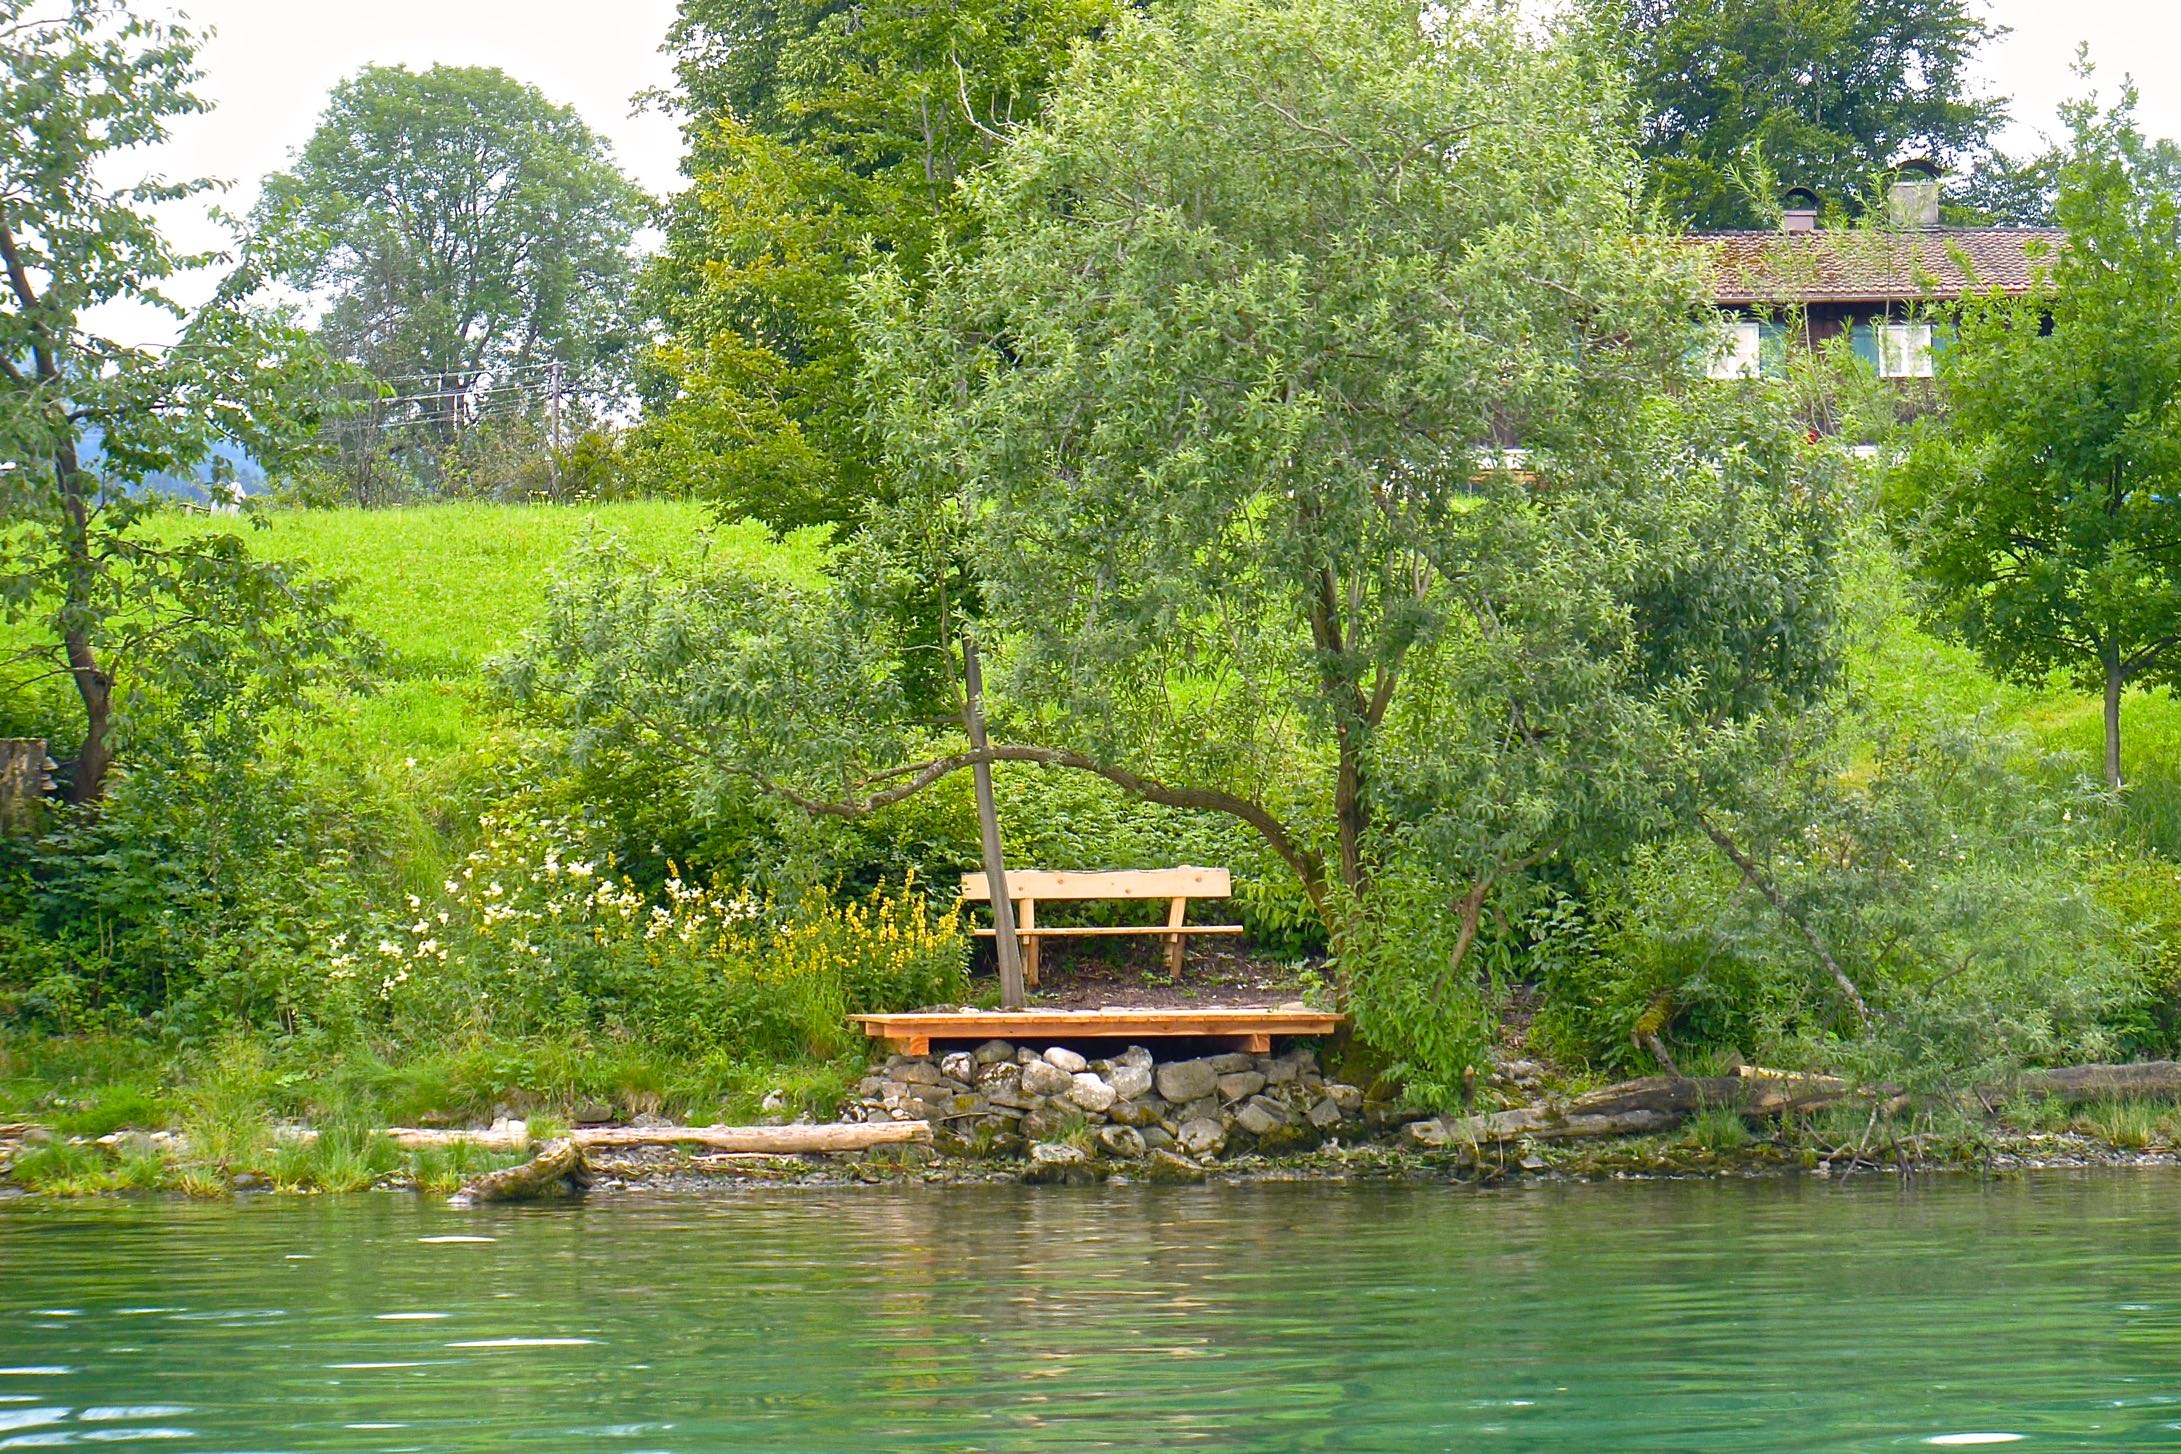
(1152, 883)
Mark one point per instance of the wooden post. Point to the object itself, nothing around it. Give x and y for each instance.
(26, 776)
(988, 822)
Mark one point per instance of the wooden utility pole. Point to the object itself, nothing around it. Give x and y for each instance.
(553, 443)
(988, 822)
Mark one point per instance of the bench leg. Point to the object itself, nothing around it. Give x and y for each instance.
(1026, 919)
(910, 1045)
(1174, 915)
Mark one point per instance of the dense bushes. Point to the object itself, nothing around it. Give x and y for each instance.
(1969, 897)
(539, 933)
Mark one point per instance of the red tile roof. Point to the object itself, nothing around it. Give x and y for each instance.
(1871, 266)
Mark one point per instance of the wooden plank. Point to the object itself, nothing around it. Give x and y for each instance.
(1153, 883)
(1085, 931)
(1174, 915)
(1245, 1026)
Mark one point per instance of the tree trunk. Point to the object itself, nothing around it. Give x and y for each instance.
(2114, 681)
(87, 779)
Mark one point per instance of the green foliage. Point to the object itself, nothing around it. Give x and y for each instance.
(85, 595)
(1309, 600)
(2039, 504)
(2131, 1125)
(820, 137)
(467, 236)
(1946, 882)
(1736, 95)
(1719, 1130)
(536, 934)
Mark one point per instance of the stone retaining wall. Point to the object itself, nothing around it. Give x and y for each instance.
(1067, 1115)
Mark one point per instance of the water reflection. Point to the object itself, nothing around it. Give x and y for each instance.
(1761, 1316)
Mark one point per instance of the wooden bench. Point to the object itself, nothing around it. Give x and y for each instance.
(1176, 885)
(1248, 1029)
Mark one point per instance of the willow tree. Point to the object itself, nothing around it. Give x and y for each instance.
(1214, 419)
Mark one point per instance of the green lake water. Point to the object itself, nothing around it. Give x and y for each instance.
(2038, 1314)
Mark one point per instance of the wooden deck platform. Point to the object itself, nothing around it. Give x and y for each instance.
(1240, 1029)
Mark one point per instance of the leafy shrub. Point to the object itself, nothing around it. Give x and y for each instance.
(1432, 1023)
(536, 934)
(1948, 882)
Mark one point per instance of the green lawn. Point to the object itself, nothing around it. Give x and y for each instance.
(445, 587)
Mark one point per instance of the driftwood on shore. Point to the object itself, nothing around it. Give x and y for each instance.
(1635, 1107)
(563, 1160)
(1661, 1102)
(556, 1163)
(770, 1140)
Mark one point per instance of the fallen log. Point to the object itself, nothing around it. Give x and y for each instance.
(775, 1140)
(554, 1165)
(1660, 1102)
(1637, 1107)
(513, 1136)
(2094, 1082)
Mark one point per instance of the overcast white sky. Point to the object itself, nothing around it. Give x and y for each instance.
(271, 63)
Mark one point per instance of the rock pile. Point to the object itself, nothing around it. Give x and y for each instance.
(1070, 1117)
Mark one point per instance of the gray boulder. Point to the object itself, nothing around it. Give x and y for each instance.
(993, 1052)
(1129, 1082)
(1167, 1166)
(1058, 1163)
(1202, 1136)
(1325, 1115)
(1181, 1081)
(1240, 1085)
(1091, 1092)
(1042, 1078)
(1261, 1116)
(1066, 1059)
(1123, 1142)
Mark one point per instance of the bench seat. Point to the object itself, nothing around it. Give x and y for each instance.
(1175, 885)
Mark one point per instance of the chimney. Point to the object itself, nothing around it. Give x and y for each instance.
(1913, 198)
(1799, 211)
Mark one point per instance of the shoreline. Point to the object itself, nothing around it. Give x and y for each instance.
(660, 1172)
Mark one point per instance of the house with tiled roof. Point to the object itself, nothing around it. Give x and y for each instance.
(1806, 285)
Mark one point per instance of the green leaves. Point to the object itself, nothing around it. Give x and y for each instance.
(86, 420)
(821, 139)
(455, 222)
(2042, 507)
(1738, 98)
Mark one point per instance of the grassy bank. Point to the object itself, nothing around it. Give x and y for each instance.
(445, 587)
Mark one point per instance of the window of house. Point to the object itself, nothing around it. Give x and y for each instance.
(1740, 353)
(1904, 350)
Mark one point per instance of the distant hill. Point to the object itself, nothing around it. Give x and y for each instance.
(195, 487)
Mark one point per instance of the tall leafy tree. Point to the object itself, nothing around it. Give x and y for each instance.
(1215, 409)
(2041, 505)
(1734, 95)
(117, 611)
(821, 136)
(457, 224)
